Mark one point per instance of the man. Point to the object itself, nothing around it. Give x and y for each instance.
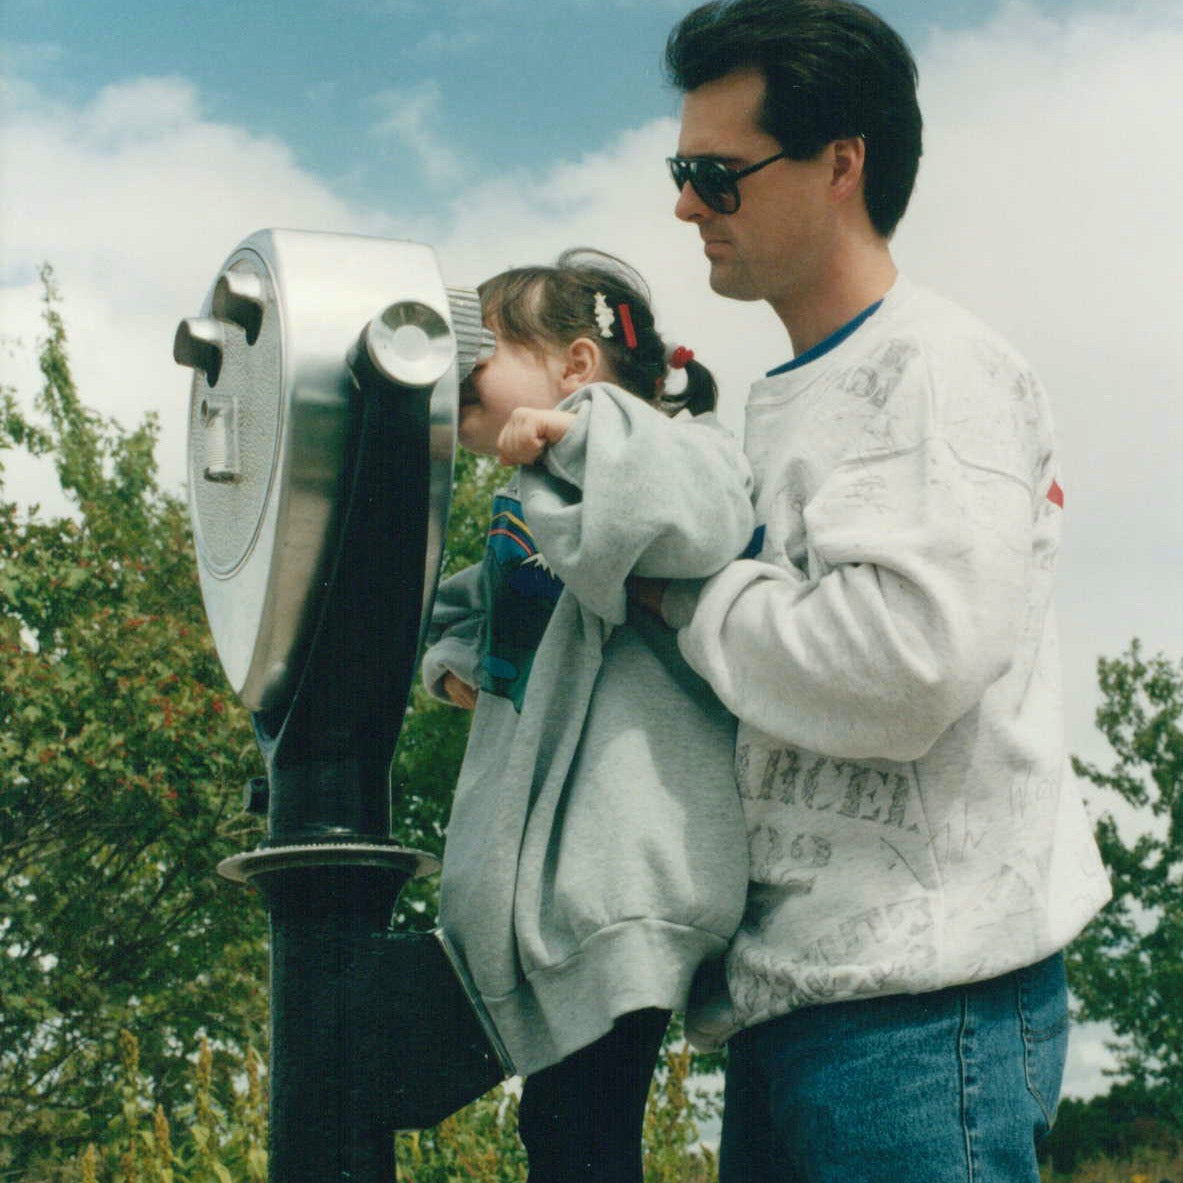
(894, 1004)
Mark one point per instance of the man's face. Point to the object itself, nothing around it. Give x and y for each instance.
(774, 247)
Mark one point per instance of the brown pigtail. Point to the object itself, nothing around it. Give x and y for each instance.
(699, 395)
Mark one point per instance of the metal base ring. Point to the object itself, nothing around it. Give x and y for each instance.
(242, 868)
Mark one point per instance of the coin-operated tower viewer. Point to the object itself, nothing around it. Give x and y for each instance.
(321, 437)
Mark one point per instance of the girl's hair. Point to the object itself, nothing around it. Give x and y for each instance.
(537, 306)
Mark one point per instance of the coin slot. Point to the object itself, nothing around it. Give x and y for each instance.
(220, 420)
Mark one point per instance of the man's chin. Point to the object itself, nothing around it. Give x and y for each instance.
(725, 282)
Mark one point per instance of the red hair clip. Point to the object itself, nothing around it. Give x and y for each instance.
(626, 323)
(679, 357)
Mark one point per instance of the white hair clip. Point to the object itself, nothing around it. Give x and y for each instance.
(605, 317)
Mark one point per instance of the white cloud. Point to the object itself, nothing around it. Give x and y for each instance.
(409, 118)
(1088, 1061)
(1048, 203)
(147, 109)
(135, 199)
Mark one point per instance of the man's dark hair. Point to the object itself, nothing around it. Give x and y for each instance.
(832, 69)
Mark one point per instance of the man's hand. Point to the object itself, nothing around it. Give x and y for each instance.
(459, 692)
(528, 432)
(647, 592)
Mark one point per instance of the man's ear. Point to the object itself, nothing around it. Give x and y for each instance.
(849, 158)
(582, 363)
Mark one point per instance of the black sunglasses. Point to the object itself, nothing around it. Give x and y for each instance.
(716, 184)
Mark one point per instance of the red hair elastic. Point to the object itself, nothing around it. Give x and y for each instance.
(626, 323)
(679, 357)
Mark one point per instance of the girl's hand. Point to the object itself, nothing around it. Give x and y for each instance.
(459, 692)
(528, 432)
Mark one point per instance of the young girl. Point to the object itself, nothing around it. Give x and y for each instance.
(596, 852)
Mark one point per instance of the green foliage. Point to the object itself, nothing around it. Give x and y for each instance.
(476, 480)
(674, 1153)
(480, 1144)
(1144, 1165)
(123, 763)
(1124, 1122)
(218, 1134)
(124, 758)
(1126, 967)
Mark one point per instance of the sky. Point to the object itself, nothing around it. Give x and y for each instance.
(142, 141)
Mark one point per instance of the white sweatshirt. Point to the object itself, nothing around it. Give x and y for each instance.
(891, 656)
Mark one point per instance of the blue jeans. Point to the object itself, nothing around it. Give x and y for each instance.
(956, 1086)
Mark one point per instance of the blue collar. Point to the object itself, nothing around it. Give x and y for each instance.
(823, 347)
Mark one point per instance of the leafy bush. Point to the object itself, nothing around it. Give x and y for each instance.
(1126, 967)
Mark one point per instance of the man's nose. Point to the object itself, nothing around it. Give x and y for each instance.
(690, 207)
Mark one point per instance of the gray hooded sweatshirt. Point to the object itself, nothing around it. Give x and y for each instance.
(596, 852)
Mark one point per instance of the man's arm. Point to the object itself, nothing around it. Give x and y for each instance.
(920, 593)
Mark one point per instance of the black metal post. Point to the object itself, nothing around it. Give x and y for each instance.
(329, 1117)
(375, 1032)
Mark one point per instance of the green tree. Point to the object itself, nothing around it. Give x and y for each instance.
(1126, 968)
(123, 759)
(1115, 1125)
(124, 756)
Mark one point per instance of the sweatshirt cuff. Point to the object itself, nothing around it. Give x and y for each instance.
(444, 657)
(679, 601)
(566, 458)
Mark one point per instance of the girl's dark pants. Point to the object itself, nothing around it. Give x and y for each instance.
(581, 1119)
